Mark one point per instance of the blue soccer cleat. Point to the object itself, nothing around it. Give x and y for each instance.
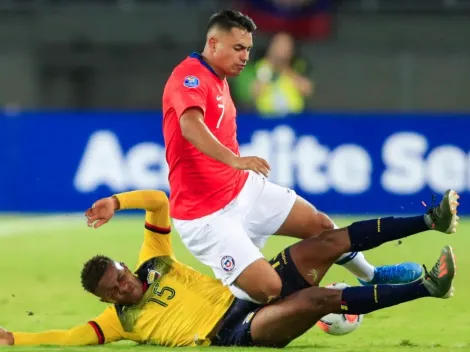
(395, 274)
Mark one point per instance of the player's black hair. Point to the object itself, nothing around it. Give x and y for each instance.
(228, 19)
(93, 270)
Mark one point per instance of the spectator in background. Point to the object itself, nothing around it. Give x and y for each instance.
(280, 86)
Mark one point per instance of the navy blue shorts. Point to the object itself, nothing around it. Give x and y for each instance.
(236, 324)
(235, 329)
(292, 280)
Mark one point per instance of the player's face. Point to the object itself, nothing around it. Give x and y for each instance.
(119, 286)
(232, 51)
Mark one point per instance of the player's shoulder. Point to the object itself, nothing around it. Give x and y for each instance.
(190, 73)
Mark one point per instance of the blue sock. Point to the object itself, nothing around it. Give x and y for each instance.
(366, 299)
(369, 234)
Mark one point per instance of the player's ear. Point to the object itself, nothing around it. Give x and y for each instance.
(124, 266)
(212, 42)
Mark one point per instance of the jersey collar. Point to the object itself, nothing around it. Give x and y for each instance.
(203, 63)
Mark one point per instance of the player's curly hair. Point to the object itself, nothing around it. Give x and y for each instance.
(93, 270)
(228, 19)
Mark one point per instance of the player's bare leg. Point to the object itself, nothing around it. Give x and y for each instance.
(304, 221)
(278, 324)
(260, 281)
(303, 215)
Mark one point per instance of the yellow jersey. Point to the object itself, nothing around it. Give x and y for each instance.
(280, 95)
(180, 307)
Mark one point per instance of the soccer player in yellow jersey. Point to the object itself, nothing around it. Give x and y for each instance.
(165, 302)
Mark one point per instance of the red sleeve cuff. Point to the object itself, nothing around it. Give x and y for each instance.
(98, 331)
(157, 229)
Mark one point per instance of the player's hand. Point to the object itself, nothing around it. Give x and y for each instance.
(6, 337)
(101, 212)
(258, 165)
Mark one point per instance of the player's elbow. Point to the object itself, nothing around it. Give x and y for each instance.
(160, 200)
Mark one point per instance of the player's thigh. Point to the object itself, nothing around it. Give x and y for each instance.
(269, 211)
(220, 242)
(276, 325)
(306, 262)
(246, 324)
(260, 281)
(235, 326)
(304, 220)
(292, 279)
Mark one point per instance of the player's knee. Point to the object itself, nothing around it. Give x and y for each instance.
(270, 290)
(322, 301)
(332, 245)
(319, 222)
(325, 222)
(324, 249)
(260, 281)
(264, 290)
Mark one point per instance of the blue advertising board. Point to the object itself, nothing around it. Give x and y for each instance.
(342, 163)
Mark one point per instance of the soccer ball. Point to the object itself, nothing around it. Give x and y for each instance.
(339, 324)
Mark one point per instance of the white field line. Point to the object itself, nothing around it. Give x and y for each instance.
(26, 225)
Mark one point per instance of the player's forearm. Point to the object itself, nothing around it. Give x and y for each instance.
(150, 200)
(79, 336)
(197, 133)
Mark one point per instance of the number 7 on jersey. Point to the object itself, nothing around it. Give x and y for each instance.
(220, 106)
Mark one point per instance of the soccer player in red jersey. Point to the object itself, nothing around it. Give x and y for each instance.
(222, 204)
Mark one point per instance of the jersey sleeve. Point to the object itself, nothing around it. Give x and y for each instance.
(81, 335)
(104, 329)
(107, 327)
(157, 230)
(189, 92)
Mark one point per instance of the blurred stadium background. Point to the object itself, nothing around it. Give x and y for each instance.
(361, 106)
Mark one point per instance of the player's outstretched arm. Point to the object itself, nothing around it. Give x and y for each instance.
(104, 209)
(198, 134)
(78, 336)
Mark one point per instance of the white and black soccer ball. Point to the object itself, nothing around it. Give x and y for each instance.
(339, 324)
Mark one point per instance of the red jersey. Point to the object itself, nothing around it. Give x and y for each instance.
(199, 185)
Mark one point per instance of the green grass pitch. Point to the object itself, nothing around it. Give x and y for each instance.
(41, 258)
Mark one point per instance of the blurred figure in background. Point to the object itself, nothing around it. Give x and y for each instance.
(277, 83)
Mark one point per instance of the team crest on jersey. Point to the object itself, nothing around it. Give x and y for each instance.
(152, 276)
(191, 81)
(228, 263)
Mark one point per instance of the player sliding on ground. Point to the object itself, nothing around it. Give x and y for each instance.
(167, 303)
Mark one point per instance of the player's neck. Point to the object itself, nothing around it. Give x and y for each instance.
(208, 61)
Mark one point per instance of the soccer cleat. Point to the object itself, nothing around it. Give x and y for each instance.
(443, 217)
(438, 281)
(395, 274)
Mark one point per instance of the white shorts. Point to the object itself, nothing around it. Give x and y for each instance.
(231, 238)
